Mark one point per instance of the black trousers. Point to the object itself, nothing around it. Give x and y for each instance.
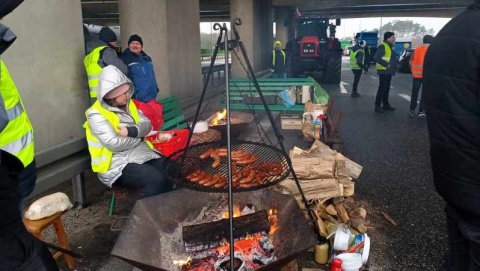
(417, 83)
(463, 242)
(356, 79)
(21, 251)
(383, 90)
(148, 176)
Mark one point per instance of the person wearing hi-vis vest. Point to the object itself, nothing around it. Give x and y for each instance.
(416, 65)
(101, 57)
(279, 60)
(357, 58)
(115, 131)
(386, 68)
(16, 131)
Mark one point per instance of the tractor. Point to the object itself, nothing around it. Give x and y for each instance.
(313, 53)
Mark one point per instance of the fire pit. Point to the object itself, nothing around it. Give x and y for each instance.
(238, 122)
(152, 236)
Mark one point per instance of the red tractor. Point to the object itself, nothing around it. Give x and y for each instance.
(313, 53)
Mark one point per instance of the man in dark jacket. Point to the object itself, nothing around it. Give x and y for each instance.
(386, 68)
(279, 59)
(140, 69)
(357, 58)
(451, 80)
(368, 56)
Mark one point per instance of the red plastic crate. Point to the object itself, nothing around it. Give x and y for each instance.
(177, 142)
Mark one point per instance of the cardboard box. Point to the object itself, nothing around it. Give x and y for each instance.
(291, 122)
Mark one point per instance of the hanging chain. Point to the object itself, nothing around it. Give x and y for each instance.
(259, 126)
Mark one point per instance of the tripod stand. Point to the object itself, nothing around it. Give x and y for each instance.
(230, 45)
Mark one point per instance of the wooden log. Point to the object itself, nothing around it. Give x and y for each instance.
(342, 213)
(291, 266)
(212, 233)
(359, 224)
(331, 210)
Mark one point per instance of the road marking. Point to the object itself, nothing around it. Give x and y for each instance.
(405, 96)
(343, 90)
(373, 77)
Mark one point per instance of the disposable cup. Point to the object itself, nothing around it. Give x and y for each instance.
(350, 261)
(342, 239)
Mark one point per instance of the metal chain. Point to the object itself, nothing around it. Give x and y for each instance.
(252, 109)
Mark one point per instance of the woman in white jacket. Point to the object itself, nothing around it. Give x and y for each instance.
(115, 134)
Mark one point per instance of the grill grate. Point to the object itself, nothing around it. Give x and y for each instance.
(177, 172)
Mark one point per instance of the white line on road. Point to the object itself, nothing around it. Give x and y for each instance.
(373, 77)
(343, 90)
(405, 96)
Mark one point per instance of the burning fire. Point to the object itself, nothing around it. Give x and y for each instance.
(182, 262)
(236, 212)
(273, 219)
(220, 115)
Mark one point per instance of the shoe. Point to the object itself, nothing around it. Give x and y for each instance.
(412, 113)
(355, 95)
(388, 108)
(378, 109)
(421, 115)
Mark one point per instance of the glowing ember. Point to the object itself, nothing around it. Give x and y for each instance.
(220, 115)
(182, 262)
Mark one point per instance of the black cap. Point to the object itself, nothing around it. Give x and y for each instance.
(427, 39)
(107, 35)
(135, 37)
(7, 6)
(388, 35)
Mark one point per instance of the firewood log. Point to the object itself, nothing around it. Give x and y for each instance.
(331, 210)
(342, 213)
(322, 213)
(359, 224)
(358, 213)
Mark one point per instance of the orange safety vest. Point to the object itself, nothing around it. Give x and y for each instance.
(416, 63)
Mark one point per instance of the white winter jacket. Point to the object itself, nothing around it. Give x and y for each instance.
(125, 149)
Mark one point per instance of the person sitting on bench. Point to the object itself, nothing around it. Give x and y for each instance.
(115, 131)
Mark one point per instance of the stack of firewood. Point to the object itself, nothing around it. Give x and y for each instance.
(341, 210)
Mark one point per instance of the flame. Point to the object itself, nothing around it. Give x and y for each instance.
(220, 115)
(236, 212)
(273, 219)
(182, 262)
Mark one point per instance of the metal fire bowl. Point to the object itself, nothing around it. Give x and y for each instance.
(152, 235)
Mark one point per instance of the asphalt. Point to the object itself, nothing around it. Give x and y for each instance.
(396, 180)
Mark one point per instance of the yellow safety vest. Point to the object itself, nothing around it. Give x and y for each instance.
(17, 137)
(101, 155)
(93, 69)
(386, 57)
(284, 57)
(353, 60)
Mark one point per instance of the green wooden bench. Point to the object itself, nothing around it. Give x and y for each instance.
(242, 87)
(173, 118)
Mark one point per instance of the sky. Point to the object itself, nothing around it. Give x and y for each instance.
(349, 27)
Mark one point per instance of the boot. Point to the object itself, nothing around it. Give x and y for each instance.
(378, 109)
(355, 95)
(388, 108)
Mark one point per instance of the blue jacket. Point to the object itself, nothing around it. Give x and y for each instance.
(140, 69)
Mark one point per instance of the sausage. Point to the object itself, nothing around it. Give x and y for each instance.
(216, 159)
(193, 175)
(249, 178)
(199, 177)
(215, 179)
(206, 179)
(248, 161)
(222, 152)
(221, 183)
(206, 154)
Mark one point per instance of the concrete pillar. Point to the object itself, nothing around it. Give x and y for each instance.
(256, 33)
(170, 30)
(46, 63)
(281, 24)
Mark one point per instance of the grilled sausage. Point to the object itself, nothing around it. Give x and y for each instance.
(199, 177)
(250, 160)
(249, 178)
(206, 154)
(216, 159)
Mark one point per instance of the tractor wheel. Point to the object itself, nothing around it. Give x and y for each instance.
(334, 68)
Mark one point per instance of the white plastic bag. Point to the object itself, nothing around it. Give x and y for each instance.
(48, 206)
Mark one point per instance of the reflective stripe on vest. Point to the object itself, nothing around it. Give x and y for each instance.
(17, 137)
(102, 156)
(418, 60)
(274, 56)
(353, 60)
(93, 69)
(386, 57)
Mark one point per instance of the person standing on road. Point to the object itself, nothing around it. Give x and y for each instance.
(368, 57)
(416, 65)
(357, 58)
(451, 88)
(16, 131)
(386, 68)
(101, 57)
(140, 68)
(279, 59)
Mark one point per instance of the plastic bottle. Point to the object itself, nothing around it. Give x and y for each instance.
(336, 265)
(317, 127)
(321, 252)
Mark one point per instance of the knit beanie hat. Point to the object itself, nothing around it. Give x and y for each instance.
(279, 43)
(114, 93)
(427, 39)
(7, 6)
(107, 35)
(135, 37)
(388, 35)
